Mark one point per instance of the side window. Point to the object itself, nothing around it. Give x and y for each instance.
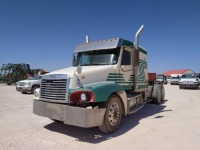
(126, 58)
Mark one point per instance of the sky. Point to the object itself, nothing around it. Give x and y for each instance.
(44, 33)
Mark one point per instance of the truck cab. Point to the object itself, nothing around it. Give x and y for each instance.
(108, 79)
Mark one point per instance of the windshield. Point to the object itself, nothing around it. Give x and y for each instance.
(191, 76)
(159, 77)
(35, 78)
(97, 57)
(175, 77)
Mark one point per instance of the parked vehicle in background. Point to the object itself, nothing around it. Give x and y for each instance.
(29, 85)
(161, 79)
(189, 81)
(198, 77)
(168, 79)
(175, 79)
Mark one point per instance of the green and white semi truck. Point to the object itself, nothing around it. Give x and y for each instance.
(108, 80)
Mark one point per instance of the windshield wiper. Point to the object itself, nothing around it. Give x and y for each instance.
(101, 64)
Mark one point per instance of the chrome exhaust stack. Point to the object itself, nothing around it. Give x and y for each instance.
(87, 39)
(137, 37)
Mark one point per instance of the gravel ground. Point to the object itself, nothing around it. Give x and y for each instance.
(173, 125)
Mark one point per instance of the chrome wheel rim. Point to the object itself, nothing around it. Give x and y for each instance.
(113, 115)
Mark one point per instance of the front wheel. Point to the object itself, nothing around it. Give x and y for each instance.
(113, 115)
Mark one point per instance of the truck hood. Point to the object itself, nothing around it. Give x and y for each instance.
(89, 75)
(26, 81)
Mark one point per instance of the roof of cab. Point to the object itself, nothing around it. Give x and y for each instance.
(105, 44)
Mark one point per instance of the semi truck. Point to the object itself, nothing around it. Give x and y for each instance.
(108, 79)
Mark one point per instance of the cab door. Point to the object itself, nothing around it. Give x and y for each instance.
(127, 69)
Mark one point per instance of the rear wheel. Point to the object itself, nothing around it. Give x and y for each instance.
(113, 115)
(157, 94)
(162, 93)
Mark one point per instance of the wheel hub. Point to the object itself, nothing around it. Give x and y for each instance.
(113, 114)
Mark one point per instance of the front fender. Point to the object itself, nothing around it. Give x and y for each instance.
(101, 90)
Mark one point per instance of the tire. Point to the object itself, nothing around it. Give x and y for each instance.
(150, 90)
(113, 115)
(33, 89)
(180, 87)
(24, 92)
(162, 94)
(157, 94)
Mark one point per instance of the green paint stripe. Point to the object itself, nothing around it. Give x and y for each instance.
(115, 80)
(111, 76)
(115, 74)
(145, 64)
(140, 60)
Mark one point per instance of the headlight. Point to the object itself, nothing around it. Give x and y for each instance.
(83, 97)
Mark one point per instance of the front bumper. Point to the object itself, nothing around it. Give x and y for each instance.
(189, 85)
(174, 82)
(23, 89)
(70, 115)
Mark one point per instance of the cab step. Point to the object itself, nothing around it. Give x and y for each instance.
(135, 103)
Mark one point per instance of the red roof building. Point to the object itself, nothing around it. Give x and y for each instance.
(182, 71)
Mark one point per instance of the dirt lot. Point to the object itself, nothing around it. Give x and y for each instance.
(173, 125)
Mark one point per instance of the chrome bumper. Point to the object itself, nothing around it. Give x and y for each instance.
(70, 115)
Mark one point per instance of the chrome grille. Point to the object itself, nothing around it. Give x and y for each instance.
(54, 89)
(21, 83)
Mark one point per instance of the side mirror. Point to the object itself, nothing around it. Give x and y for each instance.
(79, 69)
